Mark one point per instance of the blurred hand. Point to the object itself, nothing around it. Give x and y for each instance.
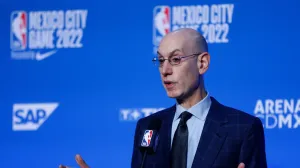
(79, 161)
(82, 163)
(241, 165)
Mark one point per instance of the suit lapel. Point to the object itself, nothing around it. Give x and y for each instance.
(165, 134)
(212, 138)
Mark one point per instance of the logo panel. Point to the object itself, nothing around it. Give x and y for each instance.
(29, 117)
(37, 35)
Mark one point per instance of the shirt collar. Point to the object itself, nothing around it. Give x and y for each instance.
(199, 110)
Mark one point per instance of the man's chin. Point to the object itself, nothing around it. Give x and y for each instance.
(172, 94)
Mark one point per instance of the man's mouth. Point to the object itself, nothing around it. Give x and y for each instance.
(169, 84)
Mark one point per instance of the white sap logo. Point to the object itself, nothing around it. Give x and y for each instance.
(137, 113)
(29, 117)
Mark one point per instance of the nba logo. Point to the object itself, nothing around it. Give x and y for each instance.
(161, 23)
(147, 138)
(18, 32)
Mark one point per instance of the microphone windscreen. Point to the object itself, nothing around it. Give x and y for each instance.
(155, 124)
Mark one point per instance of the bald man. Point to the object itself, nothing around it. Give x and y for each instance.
(198, 131)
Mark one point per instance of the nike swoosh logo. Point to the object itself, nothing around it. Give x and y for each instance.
(40, 56)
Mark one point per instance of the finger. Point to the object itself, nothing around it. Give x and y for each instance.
(81, 162)
(62, 166)
(241, 165)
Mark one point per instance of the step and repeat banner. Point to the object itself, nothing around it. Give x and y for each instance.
(76, 75)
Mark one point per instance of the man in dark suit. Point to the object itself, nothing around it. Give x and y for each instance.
(198, 131)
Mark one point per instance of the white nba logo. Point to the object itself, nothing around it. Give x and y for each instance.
(18, 38)
(161, 23)
(147, 138)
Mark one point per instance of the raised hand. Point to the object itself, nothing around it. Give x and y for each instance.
(241, 165)
(79, 161)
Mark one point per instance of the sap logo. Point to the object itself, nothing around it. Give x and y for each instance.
(29, 117)
(137, 113)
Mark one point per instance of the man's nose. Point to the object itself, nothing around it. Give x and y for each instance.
(166, 68)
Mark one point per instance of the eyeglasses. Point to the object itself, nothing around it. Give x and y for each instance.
(173, 60)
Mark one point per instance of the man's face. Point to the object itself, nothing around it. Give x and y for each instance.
(179, 80)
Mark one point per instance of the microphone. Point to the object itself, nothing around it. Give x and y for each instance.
(149, 141)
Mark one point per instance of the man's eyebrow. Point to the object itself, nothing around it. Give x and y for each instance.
(171, 53)
(158, 53)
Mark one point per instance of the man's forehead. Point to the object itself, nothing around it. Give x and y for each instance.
(168, 53)
(186, 41)
(171, 44)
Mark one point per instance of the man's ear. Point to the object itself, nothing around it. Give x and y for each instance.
(203, 62)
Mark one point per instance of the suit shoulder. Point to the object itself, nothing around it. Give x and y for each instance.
(241, 123)
(238, 116)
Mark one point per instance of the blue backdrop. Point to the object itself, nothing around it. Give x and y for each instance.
(77, 75)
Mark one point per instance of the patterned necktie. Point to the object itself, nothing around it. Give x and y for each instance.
(180, 143)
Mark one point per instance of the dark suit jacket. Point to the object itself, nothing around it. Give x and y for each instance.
(229, 137)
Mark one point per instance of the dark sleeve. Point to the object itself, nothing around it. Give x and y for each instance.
(136, 155)
(253, 153)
